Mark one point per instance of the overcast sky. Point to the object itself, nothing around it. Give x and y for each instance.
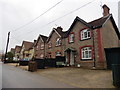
(16, 13)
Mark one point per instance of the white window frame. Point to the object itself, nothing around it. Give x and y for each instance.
(86, 53)
(58, 53)
(49, 44)
(37, 47)
(85, 34)
(42, 46)
(71, 38)
(41, 55)
(58, 42)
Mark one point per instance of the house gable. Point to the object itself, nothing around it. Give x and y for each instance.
(110, 36)
(51, 34)
(76, 21)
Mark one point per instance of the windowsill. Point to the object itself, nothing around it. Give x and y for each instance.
(49, 47)
(86, 59)
(41, 49)
(85, 39)
(57, 45)
(90, 61)
(71, 42)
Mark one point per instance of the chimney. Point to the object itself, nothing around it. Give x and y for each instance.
(105, 10)
(59, 28)
(35, 41)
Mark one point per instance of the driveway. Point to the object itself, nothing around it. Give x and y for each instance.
(78, 77)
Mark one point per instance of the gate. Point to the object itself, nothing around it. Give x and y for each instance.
(112, 56)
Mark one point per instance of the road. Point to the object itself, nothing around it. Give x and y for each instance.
(0, 75)
(14, 77)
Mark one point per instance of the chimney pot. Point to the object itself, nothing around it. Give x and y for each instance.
(105, 10)
(60, 28)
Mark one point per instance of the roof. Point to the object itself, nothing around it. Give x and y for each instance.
(27, 45)
(17, 49)
(58, 30)
(12, 50)
(98, 23)
(42, 37)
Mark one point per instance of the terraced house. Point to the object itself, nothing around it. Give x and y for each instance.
(56, 43)
(40, 47)
(86, 41)
(17, 52)
(27, 50)
(83, 44)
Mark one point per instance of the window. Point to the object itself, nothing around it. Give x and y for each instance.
(58, 53)
(37, 48)
(41, 55)
(86, 53)
(85, 34)
(58, 42)
(71, 38)
(42, 46)
(49, 44)
(49, 55)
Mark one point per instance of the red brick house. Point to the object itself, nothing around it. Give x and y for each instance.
(86, 41)
(40, 47)
(56, 43)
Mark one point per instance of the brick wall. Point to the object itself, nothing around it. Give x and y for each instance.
(55, 48)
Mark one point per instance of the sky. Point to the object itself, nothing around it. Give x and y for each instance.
(17, 13)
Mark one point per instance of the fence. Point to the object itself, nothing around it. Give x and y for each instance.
(49, 62)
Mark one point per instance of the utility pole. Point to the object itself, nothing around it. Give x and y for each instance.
(6, 47)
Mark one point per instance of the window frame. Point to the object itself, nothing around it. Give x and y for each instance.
(42, 55)
(81, 52)
(42, 46)
(82, 34)
(49, 44)
(59, 53)
(37, 47)
(58, 42)
(69, 38)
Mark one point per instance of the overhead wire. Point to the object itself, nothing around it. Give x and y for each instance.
(62, 16)
(37, 17)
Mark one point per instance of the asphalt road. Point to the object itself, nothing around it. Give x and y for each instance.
(0, 75)
(14, 77)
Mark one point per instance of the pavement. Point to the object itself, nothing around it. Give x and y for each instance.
(78, 77)
(0, 75)
(18, 78)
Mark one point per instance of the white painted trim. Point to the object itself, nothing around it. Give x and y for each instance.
(51, 34)
(41, 38)
(106, 20)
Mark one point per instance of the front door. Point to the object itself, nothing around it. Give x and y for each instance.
(70, 58)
